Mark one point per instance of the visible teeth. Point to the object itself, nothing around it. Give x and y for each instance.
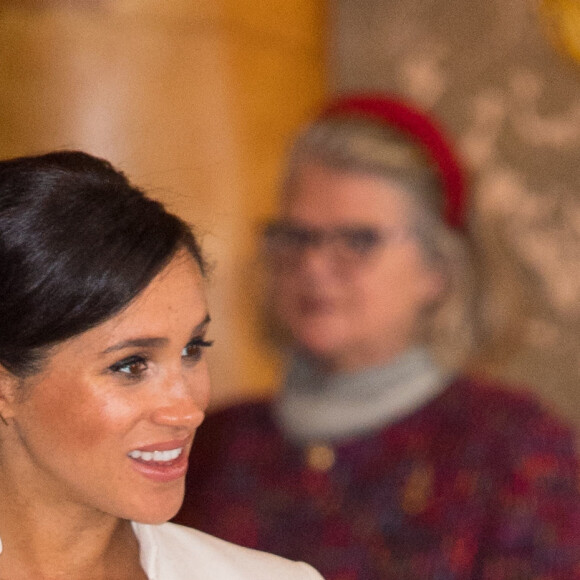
(157, 456)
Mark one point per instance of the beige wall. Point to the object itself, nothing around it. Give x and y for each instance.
(194, 100)
(499, 77)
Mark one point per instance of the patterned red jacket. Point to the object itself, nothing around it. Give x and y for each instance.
(480, 484)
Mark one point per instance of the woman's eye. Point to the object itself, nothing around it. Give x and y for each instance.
(194, 349)
(133, 367)
(363, 241)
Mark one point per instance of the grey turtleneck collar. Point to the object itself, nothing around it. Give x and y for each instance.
(313, 406)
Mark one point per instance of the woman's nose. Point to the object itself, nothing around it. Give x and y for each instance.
(318, 259)
(183, 404)
(186, 416)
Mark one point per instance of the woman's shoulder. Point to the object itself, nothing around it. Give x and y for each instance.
(174, 552)
(475, 390)
(508, 409)
(251, 418)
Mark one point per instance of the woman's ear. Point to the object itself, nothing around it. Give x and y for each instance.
(440, 284)
(8, 386)
(435, 284)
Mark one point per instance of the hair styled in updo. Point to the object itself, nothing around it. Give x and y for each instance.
(78, 243)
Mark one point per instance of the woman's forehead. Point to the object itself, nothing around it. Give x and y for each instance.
(322, 194)
(169, 307)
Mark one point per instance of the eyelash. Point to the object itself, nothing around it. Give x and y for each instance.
(142, 360)
(199, 344)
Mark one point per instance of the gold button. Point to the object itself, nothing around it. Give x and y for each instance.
(418, 489)
(320, 457)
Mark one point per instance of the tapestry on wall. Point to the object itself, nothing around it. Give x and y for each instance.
(504, 77)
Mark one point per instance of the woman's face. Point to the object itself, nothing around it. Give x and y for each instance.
(109, 422)
(350, 309)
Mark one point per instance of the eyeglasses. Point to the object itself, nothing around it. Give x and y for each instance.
(285, 242)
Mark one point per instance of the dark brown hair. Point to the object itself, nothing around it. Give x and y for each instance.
(77, 243)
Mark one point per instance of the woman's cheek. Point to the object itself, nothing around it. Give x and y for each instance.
(80, 412)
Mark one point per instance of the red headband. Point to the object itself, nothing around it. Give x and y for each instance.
(421, 128)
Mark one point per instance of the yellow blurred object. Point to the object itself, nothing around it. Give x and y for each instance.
(418, 489)
(320, 457)
(561, 19)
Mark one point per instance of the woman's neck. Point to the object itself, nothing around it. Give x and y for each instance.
(354, 360)
(42, 541)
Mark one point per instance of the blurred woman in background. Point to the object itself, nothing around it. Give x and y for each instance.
(103, 381)
(378, 459)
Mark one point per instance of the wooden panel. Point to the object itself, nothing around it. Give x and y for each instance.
(194, 100)
(276, 90)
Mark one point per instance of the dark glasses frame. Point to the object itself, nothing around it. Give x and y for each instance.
(286, 241)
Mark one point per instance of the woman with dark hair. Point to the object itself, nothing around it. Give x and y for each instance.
(379, 459)
(103, 381)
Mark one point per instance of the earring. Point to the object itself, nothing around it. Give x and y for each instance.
(3, 420)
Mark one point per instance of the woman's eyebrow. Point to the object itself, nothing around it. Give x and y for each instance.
(201, 326)
(137, 342)
(153, 341)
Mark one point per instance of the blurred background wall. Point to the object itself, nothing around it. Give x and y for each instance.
(196, 101)
(504, 77)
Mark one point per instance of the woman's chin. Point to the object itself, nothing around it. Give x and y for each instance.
(322, 350)
(155, 517)
(156, 510)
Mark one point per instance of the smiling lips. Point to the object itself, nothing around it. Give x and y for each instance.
(156, 456)
(162, 465)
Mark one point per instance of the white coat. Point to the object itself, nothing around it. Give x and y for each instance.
(173, 552)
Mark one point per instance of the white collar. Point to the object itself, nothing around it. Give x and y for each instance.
(314, 406)
(147, 550)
